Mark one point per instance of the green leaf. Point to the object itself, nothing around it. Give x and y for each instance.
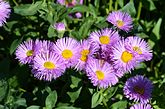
(151, 43)
(9, 25)
(110, 92)
(85, 27)
(149, 4)
(101, 22)
(120, 2)
(75, 34)
(156, 29)
(3, 89)
(74, 95)
(21, 102)
(33, 107)
(60, 104)
(51, 32)
(93, 10)
(97, 3)
(28, 9)
(67, 107)
(75, 81)
(3, 107)
(130, 8)
(80, 8)
(142, 35)
(50, 17)
(14, 45)
(119, 105)
(96, 99)
(51, 100)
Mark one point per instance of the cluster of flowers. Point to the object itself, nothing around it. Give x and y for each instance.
(105, 57)
(4, 12)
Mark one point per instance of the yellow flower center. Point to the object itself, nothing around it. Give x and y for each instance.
(29, 53)
(67, 54)
(120, 23)
(83, 58)
(100, 75)
(104, 40)
(85, 52)
(139, 90)
(126, 56)
(49, 65)
(137, 49)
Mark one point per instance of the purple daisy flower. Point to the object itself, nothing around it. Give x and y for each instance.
(122, 58)
(43, 46)
(104, 38)
(4, 12)
(86, 52)
(25, 52)
(100, 73)
(60, 27)
(68, 49)
(141, 106)
(140, 46)
(48, 66)
(138, 88)
(121, 20)
(118, 72)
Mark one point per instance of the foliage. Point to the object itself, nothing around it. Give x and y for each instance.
(34, 19)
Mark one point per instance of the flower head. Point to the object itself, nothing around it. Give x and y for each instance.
(68, 49)
(86, 52)
(4, 12)
(121, 20)
(25, 52)
(104, 38)
(48, 66)
(141, 106)
(138, 88)
(123, 58)
(140, 47)
(100, 73)
(60, 27)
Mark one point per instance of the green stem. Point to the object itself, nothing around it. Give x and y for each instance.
(116, 5)
(15, 3)
(104, 99)
(110, 5)
(139, 10)
(105, 103)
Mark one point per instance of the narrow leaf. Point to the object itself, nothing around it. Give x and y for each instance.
(51, 100)
(96, 99)
(14, 45)
(33, 107)
(156, 29)
(74, 95)
(119, 105)
(130, 8)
